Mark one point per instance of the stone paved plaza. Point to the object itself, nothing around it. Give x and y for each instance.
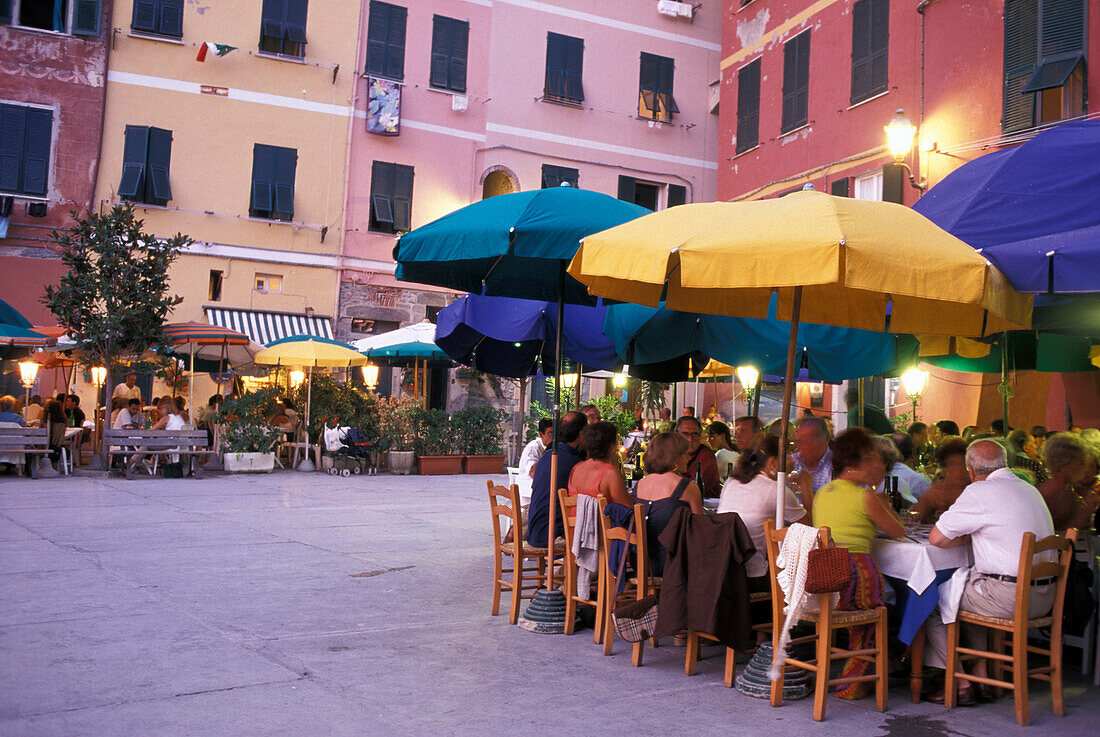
(300, 604)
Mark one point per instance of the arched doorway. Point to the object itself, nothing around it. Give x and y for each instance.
(498, 180)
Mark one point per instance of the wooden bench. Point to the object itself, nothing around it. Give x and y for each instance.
(26, 440)
(184, 443)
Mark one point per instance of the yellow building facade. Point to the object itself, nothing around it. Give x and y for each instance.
(245, 151)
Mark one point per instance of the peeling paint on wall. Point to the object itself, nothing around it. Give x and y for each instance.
(751, 31)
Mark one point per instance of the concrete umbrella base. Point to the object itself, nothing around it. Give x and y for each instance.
(753, 680)
(545, 615)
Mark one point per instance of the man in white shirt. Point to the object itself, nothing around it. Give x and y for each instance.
(992, 514)
(129, 417)
(534, 450)
(127, 390)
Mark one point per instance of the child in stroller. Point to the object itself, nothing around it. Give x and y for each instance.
(350, 450)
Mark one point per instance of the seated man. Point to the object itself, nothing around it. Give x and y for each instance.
(993, 513)
(538, 516)
(814, 457)
(129, 417)
(702, 465)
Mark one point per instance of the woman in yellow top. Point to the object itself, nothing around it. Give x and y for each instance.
(853, 515)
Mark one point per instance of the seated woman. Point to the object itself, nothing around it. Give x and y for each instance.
(721, 442)
(600, 474)
(291, 413)
(750, 492)
(281, 419)
(854, 515)
(664, 490)
(181, 410)
(953, 478)
(1070, 502)
(892, 466)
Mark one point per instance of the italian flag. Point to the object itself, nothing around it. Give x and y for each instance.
(213, 48)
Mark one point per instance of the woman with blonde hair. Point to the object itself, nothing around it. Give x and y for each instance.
(1070, 502)
(664, 490)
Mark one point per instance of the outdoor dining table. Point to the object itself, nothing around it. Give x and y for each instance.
(915, 569)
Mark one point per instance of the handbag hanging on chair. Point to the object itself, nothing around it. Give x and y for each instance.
(635, 620)
(828, 570)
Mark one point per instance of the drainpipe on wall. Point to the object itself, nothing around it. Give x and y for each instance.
(107, 43)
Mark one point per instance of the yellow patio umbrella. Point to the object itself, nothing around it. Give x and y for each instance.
(309, 352)
(832, 260)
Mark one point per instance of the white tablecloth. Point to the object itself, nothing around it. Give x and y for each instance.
(915, 562)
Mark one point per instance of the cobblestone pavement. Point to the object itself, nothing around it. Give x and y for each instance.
(300, 604)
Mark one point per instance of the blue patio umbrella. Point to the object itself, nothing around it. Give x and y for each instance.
(516, 337)
(11, 316)
(514, 245)
(1031, 209)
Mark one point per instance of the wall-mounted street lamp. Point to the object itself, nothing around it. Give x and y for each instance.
(370, 376)
(913, 382)
(900, 132)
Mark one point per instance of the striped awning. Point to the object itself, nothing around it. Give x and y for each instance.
(265, 327)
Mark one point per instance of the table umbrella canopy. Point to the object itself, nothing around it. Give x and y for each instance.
(23, 337)
(510, 245)
(1031, 209)
(516, 337)
(859, 264)
(646, 335)
(1027, 351)
(11, 316)
(197, 333)
(416, 341)
(309, 351)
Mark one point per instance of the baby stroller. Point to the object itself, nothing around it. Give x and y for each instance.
(349, 449)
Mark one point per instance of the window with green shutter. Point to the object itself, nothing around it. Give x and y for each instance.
(564, 64)
(78, 17)
(796, 82)
(1044, 62)
(146, 159)
(748, 107)
(655, 76)
(450, 39)
(273, 172)
(391, 190)
(870, 48)
(283, 27)
(386, 40)
(25, 137)
(162, 17)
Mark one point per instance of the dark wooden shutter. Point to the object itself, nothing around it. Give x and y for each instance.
(402, 197)
(665, 74)
(841, 187)
(13, 131)
(460, 39)
(627, 187)
(386, 40)
(861, 50)
(677, 195)
(296, 14)
(1020, 57)
(144, 17)
(160, 158)
(1062, 27)
(574, 65)
(554, 85)
(263, 167)
(395, 43)
(550, 176)
(802, 96)
(134, 157)
(790, 85)
(893, 183)
(171, 18)
(381, 196)
(36, 151)
(86, 18)
(748, 106)
(272, 17)
(441, 51)
(880, 46)
(286, 161)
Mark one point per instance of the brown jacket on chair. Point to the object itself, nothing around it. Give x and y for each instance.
(705, 587)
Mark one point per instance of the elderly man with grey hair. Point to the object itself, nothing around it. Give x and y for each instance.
(992, 514)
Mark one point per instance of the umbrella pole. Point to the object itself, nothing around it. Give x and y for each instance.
(1004, 388)
(552, 501)
(697, 395)
(788, 383)
(191, 391)
(859, 412)
(577, 389)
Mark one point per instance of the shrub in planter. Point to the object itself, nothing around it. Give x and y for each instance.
(246, 422)
(480, 437)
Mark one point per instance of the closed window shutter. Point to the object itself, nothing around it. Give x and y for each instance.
(803, 98)
(286, 161)
(160, 158)
(840, 188)
(272, 16)
(263, 166)
(386, 40)
(381, 195)
(748, 106)
(665, 73)
(296, 13)
(627, 186)
(395, 43)
(86, 18)
(132, 186)
(36, 151)
(441, 48)
(880, 45)
(171, 17)
(554, 176)
(796, 81)
(677, 195)
(402, 197)
(460, 37)
(13, 131)
(1062, 27)
(554, 85)
(861, 50)
(574, 66)
(145, 16)
(893, 183)
(1020, 57)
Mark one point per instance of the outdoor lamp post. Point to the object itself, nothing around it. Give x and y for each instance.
(748, 376)
(899, 140)
(99, 378)
(568, 381)
(370, 376)
(618, 381)
(913, 382)
(296, 378)
(28, 373)
(99, 375)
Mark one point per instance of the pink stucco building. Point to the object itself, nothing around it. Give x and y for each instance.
(618, 96)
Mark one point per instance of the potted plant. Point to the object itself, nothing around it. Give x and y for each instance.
(395, 433)
(248, 438)
(480, 436)
(433, 441)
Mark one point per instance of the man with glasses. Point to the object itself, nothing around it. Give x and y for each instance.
(702, 464)
(814, 456)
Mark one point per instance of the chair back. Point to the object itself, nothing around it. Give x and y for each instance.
(504, 504)
(773, 538)
(1030, 571)
(569, 519)
(635, 538)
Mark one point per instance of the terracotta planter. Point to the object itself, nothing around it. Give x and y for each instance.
(483, 464)
(249, 462)
(438, 465)
(400, 462)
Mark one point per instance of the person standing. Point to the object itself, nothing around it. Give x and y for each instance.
(128, 389)
(874, 419)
